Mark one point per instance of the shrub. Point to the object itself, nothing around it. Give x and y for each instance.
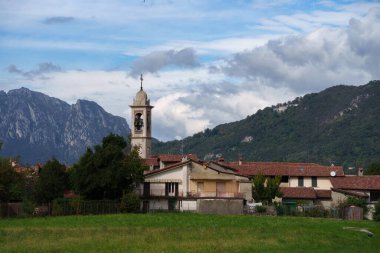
(355, 201)
(316, 212)
(261, 209)
(130, 202)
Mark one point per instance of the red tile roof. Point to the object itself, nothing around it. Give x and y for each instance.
(350, 192)
(323, 194)
(175, 158)
(151, 161)
(284, 169)
(166, 168)
(298, 193)
(357, 183)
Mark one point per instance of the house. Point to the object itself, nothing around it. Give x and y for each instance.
(306, 182)
(194, 186)
(366, 187)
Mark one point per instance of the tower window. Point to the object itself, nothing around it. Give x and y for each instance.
(139, 122)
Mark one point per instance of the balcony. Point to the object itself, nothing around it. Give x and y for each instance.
(180, 194)
(215, 194)
(160, 193)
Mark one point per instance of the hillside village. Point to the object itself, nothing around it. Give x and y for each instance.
(185, 183)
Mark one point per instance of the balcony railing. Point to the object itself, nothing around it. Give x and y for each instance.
(216, 194)
(163, 193)
(160, 193)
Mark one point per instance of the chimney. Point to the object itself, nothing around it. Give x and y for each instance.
(360, 171)
(221, 160)
(240, 159)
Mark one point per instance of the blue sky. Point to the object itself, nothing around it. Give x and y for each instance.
(204, 62)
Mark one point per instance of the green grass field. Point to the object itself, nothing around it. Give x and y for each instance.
(182, 232)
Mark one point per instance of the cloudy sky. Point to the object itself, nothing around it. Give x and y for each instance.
(204, 62)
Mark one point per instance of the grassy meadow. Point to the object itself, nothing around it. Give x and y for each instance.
(184, 232)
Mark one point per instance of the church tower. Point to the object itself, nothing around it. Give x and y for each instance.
(141, 123)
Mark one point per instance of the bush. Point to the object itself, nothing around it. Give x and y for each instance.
(376, 215)
(316, 212)
(130, 203)
(261, 209)
(355, 201)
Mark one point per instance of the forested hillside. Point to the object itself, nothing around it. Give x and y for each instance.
(339, 125)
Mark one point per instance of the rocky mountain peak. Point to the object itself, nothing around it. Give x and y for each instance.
(38, 127)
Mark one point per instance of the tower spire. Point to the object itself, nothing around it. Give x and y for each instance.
(141, 79)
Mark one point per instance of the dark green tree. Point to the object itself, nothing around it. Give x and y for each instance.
(265, 188)
(273, 188)
(52, 182)
(11, 182)
(376, 215)
(258, 188)
(108, 171)
(373, 169)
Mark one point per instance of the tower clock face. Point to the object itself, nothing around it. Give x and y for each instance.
(139, 122)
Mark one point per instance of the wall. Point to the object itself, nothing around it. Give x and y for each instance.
(323, 183)
(246, 188)
(188, 205)
(220, 206)
(158, 204)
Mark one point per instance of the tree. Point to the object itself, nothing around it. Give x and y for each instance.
(11, 182)
(265, 188)
(376, 215)
(373, 169)
(108, 171)
(52, 182)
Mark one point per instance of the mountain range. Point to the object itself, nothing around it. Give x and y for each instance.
(339, 125)
(36, 127)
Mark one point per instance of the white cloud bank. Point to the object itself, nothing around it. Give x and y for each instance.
(188, 100)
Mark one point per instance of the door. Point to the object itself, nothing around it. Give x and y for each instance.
(146, 192)
(172, 203)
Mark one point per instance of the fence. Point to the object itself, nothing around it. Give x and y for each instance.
(306, 211)
(61, 207)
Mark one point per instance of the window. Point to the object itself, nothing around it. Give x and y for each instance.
(314, 182)
(139, 123)
(300, 181)
(200, 186)
(171, 189)
(220, 187)
(374, 196)
(284, 179)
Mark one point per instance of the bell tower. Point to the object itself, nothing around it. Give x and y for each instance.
(141, 123)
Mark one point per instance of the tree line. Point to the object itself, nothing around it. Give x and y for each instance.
(110, 170)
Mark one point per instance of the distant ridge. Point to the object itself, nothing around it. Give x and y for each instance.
(37, 127)
(339, 125)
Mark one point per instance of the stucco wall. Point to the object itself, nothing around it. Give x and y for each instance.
(158, 204)
(220, 206)
(210, 185)
(188, 205)
(246, 189)
(175, 175)
(323, 183)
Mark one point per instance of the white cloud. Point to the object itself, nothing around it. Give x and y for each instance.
(320, 59)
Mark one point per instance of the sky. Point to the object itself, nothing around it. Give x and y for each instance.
(204, 63)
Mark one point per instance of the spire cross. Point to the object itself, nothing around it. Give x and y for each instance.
(141, 79)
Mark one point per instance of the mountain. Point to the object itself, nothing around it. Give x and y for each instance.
(339, 125)
(37, 127)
